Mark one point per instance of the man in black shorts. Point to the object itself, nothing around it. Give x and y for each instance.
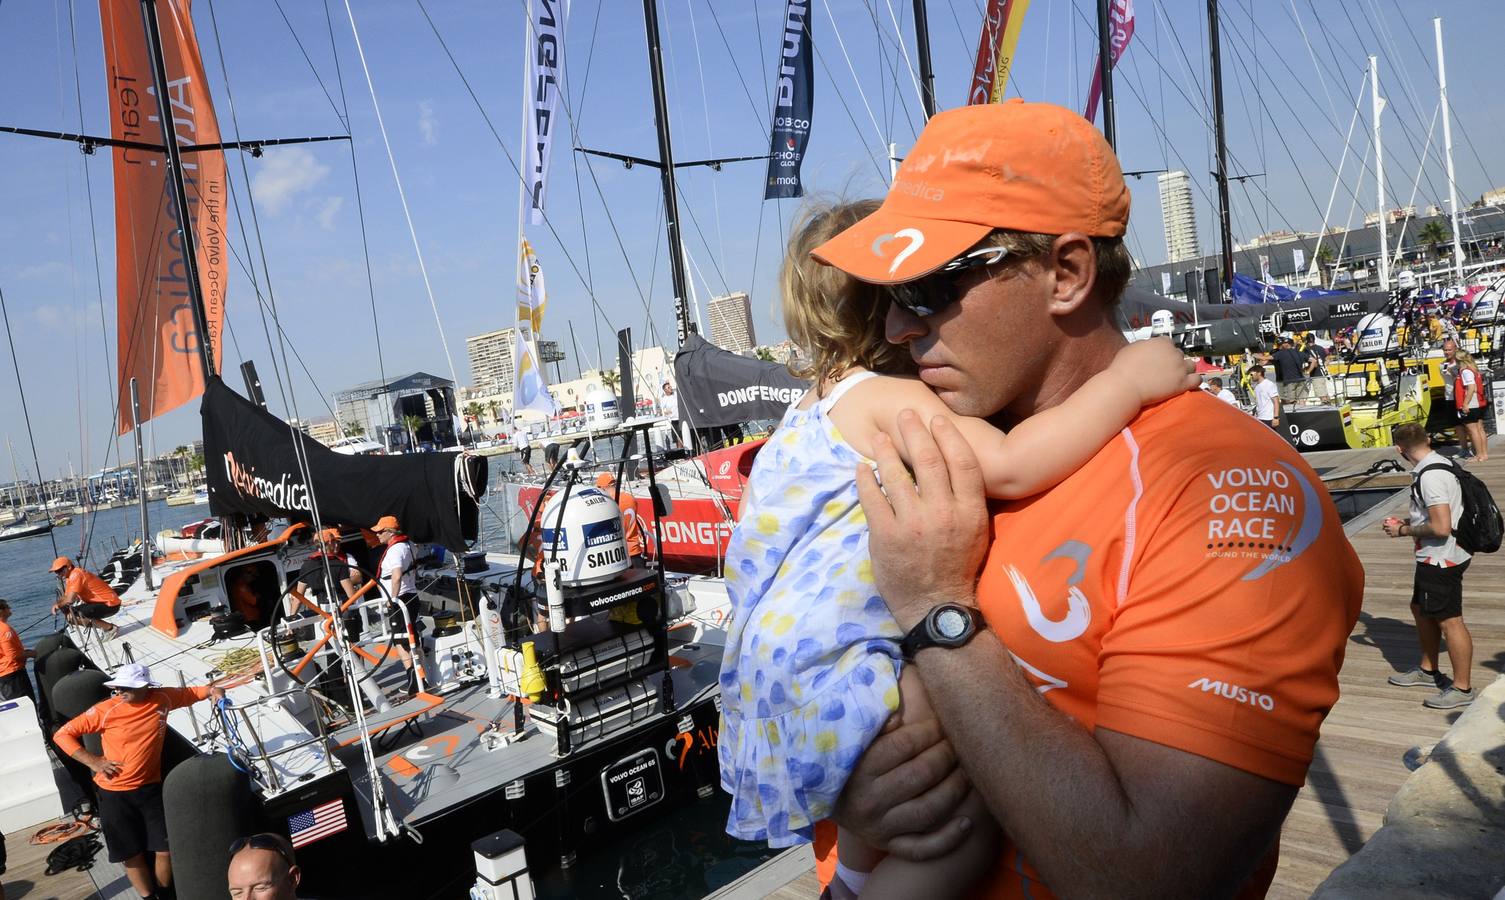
(1437, 597)
(13, 656)
(86, 599)
(132, 727)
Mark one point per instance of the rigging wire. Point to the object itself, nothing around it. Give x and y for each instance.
(705, 105)
(25, 411)
(360, 204)
(401, 194)
(841, 42)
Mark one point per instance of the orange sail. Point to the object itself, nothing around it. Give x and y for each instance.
(158, 339)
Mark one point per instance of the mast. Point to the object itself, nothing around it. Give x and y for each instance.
(682, 326)
(1378, 106)
(146, 546)
(1447, 143)
(1105, 69)
(1225, 224)
(179, 191)
(922, 52)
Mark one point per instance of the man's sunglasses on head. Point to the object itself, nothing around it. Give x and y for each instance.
(936, 291)
(262, 841)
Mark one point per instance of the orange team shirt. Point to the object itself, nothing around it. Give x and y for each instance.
(1190, 585)
(132, 734)
(12, 654)
(90, 588)
(632, 526)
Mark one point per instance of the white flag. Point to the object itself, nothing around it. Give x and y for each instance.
(1165, 283)
(543, 52)
(1298, 256)
(529, 389)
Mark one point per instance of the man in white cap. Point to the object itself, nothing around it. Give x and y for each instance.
(132, 726)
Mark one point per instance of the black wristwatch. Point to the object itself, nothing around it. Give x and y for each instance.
(948, 625)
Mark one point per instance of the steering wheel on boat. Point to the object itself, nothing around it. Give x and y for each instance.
(329, 622)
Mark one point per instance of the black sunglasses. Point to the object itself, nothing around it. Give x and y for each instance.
(263, 841)
(936, 291)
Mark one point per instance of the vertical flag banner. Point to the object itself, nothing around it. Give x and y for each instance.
(794, 100)
(159, 342)
(529, 390)
(1165, 283)
(1001, 24)
(544, 58)
(1121, 25)
(1298, 258)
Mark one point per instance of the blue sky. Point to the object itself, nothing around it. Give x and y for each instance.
(1287, 118)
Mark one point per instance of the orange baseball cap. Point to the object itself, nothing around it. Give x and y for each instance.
(329, 536)
(605, 480)
(386, 523)
(61, 563)
(1033, 167)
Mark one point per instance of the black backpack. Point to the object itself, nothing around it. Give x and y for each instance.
(1481, 526)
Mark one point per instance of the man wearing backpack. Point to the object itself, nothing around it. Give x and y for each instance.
(1437, 598)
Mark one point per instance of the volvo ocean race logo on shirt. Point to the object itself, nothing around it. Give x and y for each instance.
(1267, 514)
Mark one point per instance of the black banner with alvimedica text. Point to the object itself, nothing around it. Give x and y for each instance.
(794, 101)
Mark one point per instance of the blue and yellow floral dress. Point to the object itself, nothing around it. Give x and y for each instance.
(811, 670)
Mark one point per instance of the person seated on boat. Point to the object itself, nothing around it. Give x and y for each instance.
(86, 599)
(813, 666)
(397, 569)
(132, 729)
(263, 867)
(14, 682)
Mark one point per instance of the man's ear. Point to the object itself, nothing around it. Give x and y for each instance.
(1072, 263)
(296, 874)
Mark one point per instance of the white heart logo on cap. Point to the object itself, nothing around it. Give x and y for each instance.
(916, 240)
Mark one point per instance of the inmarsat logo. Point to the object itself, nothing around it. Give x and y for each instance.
(1235, 693)
(284, 493)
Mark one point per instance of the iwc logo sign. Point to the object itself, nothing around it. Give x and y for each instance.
(1309, 438)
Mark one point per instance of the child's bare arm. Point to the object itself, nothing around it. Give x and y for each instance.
(1048, 446)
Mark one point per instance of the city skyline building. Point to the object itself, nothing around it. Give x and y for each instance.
(491, 365)
(1178, 217)
(731, 322)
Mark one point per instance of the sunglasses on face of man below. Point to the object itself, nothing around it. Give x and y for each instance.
(936, 291)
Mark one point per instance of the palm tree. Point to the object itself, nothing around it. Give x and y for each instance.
(610, 380)
(496, 410)
(355, 429)
(473, 411)
(413, 423)
(1324, 266)
(764, 354)
(1434, 234)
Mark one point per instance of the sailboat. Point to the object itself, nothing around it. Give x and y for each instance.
(22, 527)
(562, 736)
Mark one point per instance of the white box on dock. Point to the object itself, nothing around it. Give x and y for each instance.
(28, 793)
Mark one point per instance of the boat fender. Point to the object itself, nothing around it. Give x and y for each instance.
(52, 642)
(74, 693)
(56, 666)
(208, 805)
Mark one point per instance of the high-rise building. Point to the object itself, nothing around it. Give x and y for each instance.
(731, 322)
(491, 366)
(1179, 217)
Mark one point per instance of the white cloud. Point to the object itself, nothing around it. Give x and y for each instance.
(283, 175)
(428, 124)
(55, 317)
(328, 209)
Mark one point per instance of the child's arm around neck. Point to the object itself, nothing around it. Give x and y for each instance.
(1042, 450)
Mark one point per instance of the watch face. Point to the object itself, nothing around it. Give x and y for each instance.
(951, 623)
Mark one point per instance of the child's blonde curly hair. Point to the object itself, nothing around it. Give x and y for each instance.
(836, 320)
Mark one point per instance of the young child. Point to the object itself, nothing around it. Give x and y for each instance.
(812, 668)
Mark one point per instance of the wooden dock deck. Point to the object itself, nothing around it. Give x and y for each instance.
(1368, 738)
(26, 871)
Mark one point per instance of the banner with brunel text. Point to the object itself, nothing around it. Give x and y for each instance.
(157, 337)
(544, 60)
(1001, 23)
(793, 103)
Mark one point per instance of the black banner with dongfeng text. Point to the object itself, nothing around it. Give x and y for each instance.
(794, 100)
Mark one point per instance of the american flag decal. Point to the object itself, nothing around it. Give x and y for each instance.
(317, 823)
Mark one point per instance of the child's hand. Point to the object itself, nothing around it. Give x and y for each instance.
(1157, 368)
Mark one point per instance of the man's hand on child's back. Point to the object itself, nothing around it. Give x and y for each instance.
(904, 792)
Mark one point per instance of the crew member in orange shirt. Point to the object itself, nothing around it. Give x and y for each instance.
(13, 657)
(132, 725)
(88, 601)
(632, 526)
(1132, 667)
